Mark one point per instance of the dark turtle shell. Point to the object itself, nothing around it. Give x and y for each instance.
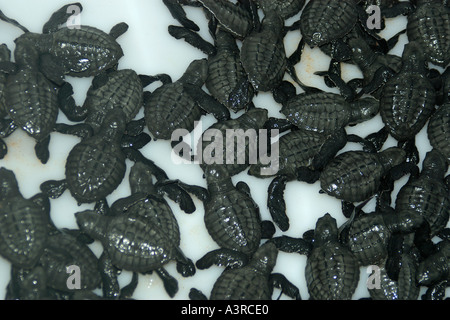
(332, 271)
(356, 175)
(438, 130)
(232, 217)
(23, 224)
(32, 102)
(429, 25)
(325, 20)
(62, 251)
(96, 166)
(121, 89)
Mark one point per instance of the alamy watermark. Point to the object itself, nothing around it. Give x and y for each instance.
(238, 145)
(374, 19)
(74, 279)
(74, 20)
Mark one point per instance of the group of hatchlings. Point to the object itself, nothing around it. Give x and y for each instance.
(407, 237)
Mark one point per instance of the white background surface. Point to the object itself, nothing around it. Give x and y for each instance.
(149, 49)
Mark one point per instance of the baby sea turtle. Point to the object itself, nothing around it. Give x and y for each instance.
(376, 67)
(140, 233)
(298, 149)
(332, 271)
(232, 217)
(252, 281)
(438, 130)
(24, 223)
(427, 194)
(429, 26)
(402, 286)
(33, 106)
(96, 165)
(177, 105)
(368, 234)
(326, 20)
(227, 80)
(109, 90)
(263, 53)
(408, 98)
(327, 112)
(62, 251)
(234, 142)
(59, 50)
(232, 17)
(356, 175)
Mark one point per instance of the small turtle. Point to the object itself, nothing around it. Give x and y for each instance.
(235, 18)
(403, 286)
(326, 112)
(368, 234)
(140, 232)
(429, 26)
(232, 217)
(408, 98)
(24, 223)
(252, 281)
(96, 165)
(299, 151)
(427, 194)
(324, 21)
(438, 130)
(62, 251)
(227, 80)
(356, 175)
(113, 89)
(237, 147)
(177, 105)
(59, 50)
(332, 271)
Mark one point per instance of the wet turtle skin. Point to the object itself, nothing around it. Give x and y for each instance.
(250, 282)
(435, 267)
(428, 194)
(355, 176)
(121, 89)
(169, 107)
(332, 271)
(63, 250)
(232, 217)
(226, 73)
(438, 130)
(408, 98)
(250, 121)
(429, 25)
(326, 20)
(263, 54)
(285, 9)
(327, 112)
(23, 224)
(96, 165)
